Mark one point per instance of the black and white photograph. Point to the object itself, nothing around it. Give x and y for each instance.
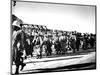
(52, 37)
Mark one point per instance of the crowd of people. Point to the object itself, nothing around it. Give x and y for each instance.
(40, 41)
(48, 42)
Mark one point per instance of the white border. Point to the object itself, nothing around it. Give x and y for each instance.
(5, 37)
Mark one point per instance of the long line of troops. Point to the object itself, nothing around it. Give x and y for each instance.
(46, 43)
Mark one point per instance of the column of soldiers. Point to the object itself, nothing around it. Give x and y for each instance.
(62, 43)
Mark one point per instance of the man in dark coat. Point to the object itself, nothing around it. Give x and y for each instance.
(73, 44)
(49, 50)
(48, 47)
(92, 41)
(58, 47)
(77, 42)
(17, 53)
(29, 46)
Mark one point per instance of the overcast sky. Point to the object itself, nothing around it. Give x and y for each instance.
(55, 16)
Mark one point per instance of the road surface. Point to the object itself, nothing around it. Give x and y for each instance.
(63, 63)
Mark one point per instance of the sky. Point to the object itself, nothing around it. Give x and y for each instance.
(57, 16)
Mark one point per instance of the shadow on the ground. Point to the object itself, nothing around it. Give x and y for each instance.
(86, 66)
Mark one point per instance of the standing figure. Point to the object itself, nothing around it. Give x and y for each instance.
(38, 47)
(48, 45)
(20, 38)
(92, 41)
(85, 42)
(57, 46)
(73, 44)
(77, 42)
